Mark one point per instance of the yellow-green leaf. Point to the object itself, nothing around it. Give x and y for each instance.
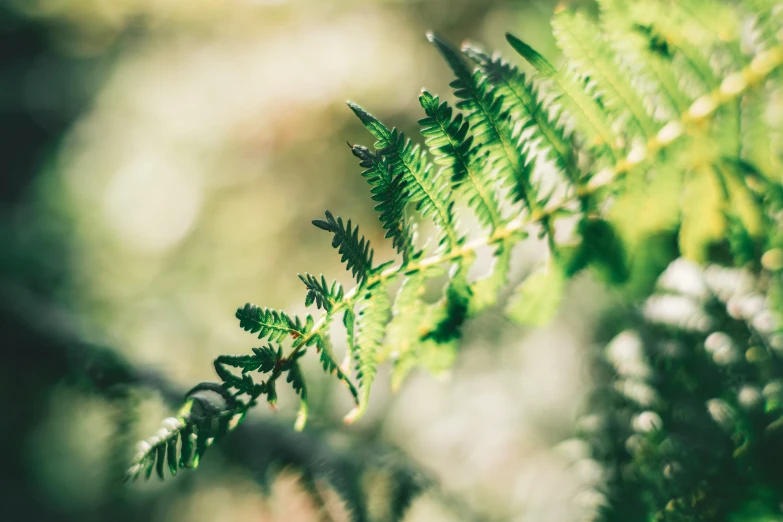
(536, 300)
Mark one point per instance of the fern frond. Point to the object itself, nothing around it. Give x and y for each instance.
(366, 340)
(464, 162)
(242, 383)
(320, 292)
(703, 185)
(356, 252)
(521, 95)
(588, 114)
(668, 31)
(271, 324)
(266, 360)
(488, 120)
(391, 192)
(407, 342)
(589, 55)
(427, 191)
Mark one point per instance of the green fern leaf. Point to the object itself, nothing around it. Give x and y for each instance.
(589, 55)
(243, 383)
(366, 342)
(589, 116)
(390, 191)
(538, 297)
(409, 344)
(330, 365)
(408, 314)
(464, 162)
(274, 325)
(648, 59)
(264, 360)
(297, 380)
(489, 121)
(427, 191)
(193, 427)
(356, 252)
(267, 358)
(521, 96)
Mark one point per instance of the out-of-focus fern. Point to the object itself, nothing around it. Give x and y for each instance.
(657, 138)
(689, 426)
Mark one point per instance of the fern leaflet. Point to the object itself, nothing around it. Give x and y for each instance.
(525, 103)
(488, 120)
(320, 292)
(356, 252)
(366, 338)
(429, 192)
(589, 116)
(465, 164)
(584, 46)
(274, 325)
(390, 191)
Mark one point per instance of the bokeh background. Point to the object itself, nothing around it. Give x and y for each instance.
(162, 161)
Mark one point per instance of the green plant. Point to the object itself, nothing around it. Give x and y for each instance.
(658, 138)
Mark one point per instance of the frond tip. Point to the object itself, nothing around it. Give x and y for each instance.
(355, 251)
(490, 121)
(320, 292)
(208, 414)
